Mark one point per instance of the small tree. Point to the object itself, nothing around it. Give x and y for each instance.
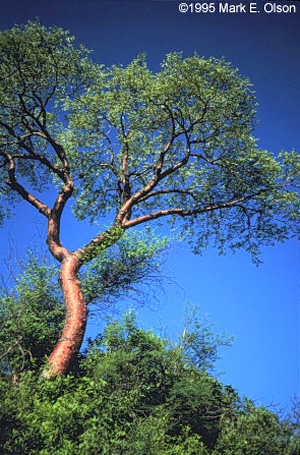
(137, 146)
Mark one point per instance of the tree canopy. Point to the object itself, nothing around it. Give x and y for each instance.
(136, 146)
(139, 144)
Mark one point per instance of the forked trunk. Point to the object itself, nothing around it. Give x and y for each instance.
(68, 346)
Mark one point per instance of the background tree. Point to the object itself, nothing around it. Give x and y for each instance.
(137, 146)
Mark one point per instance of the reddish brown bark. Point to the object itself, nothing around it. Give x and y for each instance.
(71, 339)
(68, 346)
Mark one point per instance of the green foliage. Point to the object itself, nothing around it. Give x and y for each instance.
(130, 268)
(32, 314)
(141, 145)
(258, 432)
(132, 392)
(214, 106)
(199, 342)
(177, 143)
(39, 68)
(136, 394)
(31, 317)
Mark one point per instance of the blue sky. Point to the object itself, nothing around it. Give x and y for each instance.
(260, 306)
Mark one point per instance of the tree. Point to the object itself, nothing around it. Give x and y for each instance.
(136, 146)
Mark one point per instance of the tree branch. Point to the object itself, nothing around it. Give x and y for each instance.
(32, 153)
(14, 185)
(166, 191)
(123, 212)
(184, 213)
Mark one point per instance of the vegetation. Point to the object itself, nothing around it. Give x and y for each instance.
(137, 147)
(130, 392)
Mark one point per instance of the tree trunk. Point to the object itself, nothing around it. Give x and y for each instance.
(68, 346)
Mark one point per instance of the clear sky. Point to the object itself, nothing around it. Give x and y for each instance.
(260, 306)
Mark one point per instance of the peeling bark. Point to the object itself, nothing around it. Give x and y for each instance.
(67, 348)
